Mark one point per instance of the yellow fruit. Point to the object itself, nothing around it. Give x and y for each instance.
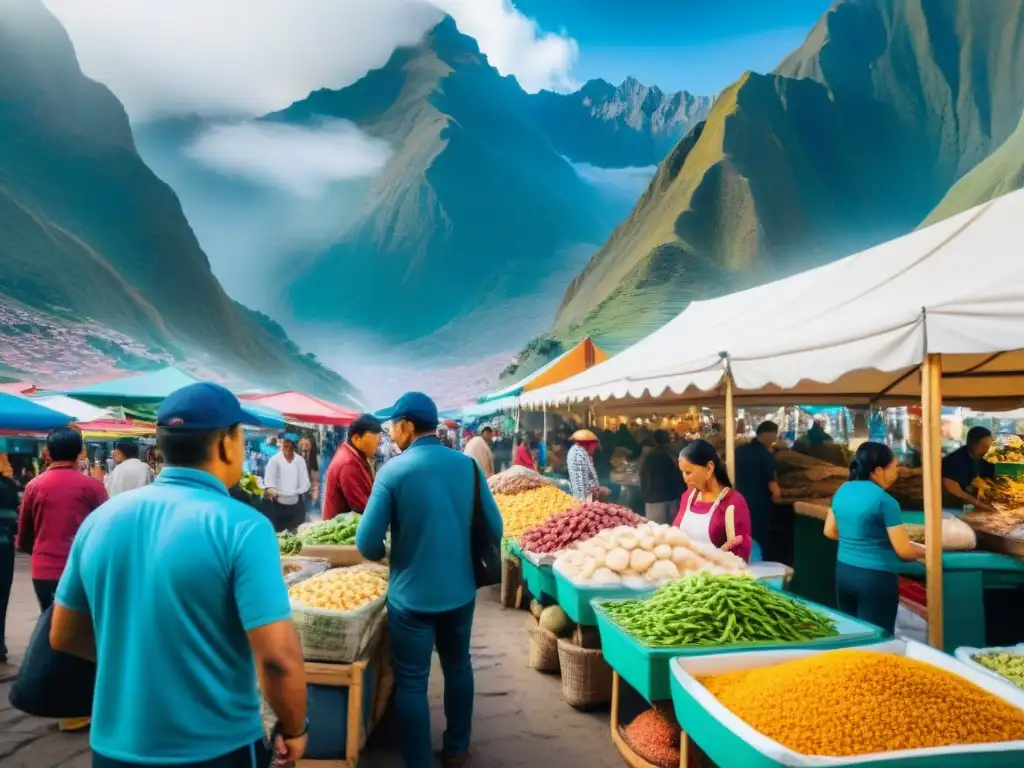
(341, 589)
(528, 510)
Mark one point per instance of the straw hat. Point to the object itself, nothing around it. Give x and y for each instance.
(584, 436)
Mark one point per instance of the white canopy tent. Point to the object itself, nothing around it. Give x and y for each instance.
(935, 315)
(853, 331)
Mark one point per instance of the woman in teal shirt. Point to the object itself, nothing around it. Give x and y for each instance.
(867, 523)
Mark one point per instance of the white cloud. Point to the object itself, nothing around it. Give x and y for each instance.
(302, 160)
(630, 182)
(218, 57)
(515, 44)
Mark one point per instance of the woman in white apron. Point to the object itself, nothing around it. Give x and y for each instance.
(712, 512)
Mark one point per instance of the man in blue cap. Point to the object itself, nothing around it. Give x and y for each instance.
(426, 495)
(175, 590)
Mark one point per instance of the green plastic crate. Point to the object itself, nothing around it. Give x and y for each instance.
(576, 600)
(1009, 469)
(728, 741)
(539, 579)
(646, 668)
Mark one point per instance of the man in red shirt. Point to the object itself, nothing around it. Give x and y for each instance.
(350, 476)
(53, 508)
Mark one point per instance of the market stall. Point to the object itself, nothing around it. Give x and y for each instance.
(896, 324)
(340, 616)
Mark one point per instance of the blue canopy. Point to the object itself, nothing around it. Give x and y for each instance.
(144, 389)
(21, 414)
(267, 417)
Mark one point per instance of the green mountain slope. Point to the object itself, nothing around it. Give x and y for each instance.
(87, 230)
(997, 174)
(854, 139)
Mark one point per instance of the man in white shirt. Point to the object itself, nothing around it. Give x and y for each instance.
(129, 471)
(479, 449)
(285, 480)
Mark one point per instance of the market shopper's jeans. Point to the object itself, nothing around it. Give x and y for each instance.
(872, 596)
(663, 512)
(6, 582)
(256, 755)
(413, 637)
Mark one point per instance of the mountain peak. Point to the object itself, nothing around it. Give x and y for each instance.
(445, 39)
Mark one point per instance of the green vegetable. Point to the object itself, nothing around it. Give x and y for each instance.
(706, 609)
(1009, 665)
(340, 531)
(289, 543)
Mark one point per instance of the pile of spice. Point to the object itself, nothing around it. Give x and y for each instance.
(718, 609)
(654, 736)
(855, 702)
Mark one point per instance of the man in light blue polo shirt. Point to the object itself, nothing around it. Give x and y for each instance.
(176, 591)
(425, 496)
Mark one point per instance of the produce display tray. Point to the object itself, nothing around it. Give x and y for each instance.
(965, 652)
(539, 579)
(728, 740)
(646, 667)
(576, 599)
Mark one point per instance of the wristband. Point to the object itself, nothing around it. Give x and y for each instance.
(290, 736)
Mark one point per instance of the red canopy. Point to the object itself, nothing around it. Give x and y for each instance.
(300, 407)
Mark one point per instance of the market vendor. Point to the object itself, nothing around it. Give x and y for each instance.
(712, 511)
(580, 464)
(286, 480)
(868, 524)
(756, 480)
(965, 465)
(524, 454)
(350, 475)
(817, 435)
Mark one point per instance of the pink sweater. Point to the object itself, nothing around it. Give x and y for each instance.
(716, 528)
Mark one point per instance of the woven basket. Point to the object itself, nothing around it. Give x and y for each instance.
(586, 676)
(543, 649)
(511, 580)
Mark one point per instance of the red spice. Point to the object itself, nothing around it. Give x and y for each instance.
(654, 736)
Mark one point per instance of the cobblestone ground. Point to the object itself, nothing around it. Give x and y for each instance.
(520, 718)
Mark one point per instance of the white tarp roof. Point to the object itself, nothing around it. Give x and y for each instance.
(852, 331)
(75, 408)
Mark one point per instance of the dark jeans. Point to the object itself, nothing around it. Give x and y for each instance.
(413, 637)
(254, 756)
(871, 596)
(6, 582)
(45, 593)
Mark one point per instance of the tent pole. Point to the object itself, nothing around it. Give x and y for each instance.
(931, 459)
(730, 429)
(544, 432)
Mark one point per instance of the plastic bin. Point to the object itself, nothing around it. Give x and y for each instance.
(646, 668)
(576, 600)
(728, 740)
(966, 653)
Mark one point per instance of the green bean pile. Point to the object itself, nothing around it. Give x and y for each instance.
(707, 609)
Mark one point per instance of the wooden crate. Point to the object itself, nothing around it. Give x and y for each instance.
(354, 677)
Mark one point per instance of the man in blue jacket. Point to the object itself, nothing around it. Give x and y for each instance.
(426, 496)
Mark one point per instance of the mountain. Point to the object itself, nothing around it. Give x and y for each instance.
(482, 213)
(852, 140)
(630, 125)
(997, 174)
(87, 231)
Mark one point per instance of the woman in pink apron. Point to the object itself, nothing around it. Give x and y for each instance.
(712, 512)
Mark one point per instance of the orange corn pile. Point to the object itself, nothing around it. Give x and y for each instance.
(849, 702)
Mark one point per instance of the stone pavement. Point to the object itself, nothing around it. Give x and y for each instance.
(520, 718)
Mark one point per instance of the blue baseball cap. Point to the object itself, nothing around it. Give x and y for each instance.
(291, 437)
(202, 407)
(414, 406)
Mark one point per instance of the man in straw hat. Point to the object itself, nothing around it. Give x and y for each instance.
(580, 463)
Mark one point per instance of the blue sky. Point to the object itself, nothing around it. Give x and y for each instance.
(698, 45)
